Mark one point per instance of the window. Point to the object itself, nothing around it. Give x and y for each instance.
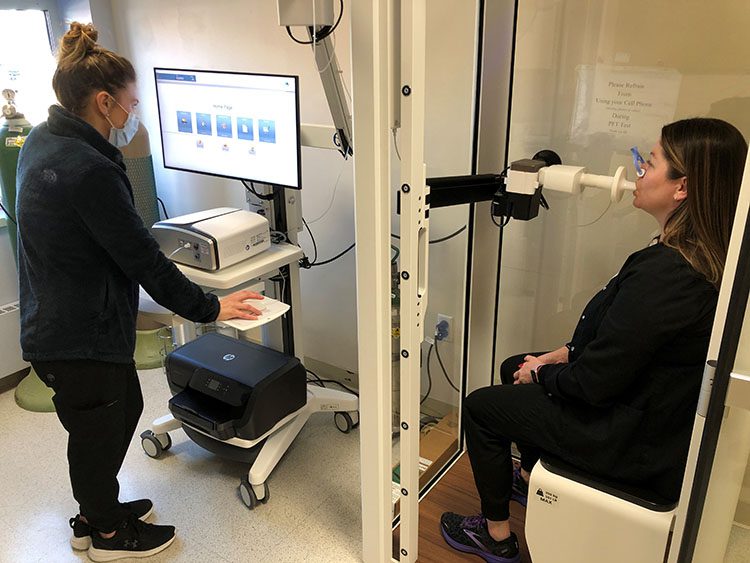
(26, 65)
(26, 61)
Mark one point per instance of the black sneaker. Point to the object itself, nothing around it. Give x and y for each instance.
(133, 539)
(469, 534)
(520, 490)
(81, 538)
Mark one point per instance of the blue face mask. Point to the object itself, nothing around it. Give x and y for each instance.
(121, 137)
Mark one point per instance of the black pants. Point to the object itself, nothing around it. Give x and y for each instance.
(493, 417)
(99, 404)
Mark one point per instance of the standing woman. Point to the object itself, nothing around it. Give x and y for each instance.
(83, 251)
(619, 399)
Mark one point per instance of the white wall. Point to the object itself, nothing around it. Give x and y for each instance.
(244, 36)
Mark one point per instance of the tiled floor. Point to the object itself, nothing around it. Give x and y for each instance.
(313, 514)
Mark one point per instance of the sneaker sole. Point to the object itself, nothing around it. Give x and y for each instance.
(476, 551)
(83, 543)
(107, 555)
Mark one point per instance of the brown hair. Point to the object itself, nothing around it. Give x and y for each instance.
(84, 67)
(710, 154)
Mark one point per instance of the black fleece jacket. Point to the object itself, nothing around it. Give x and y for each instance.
(83, 249)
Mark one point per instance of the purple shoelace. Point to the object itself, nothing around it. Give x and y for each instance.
(473, 522)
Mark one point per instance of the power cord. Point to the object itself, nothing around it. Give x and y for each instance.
(440, 361)
(252, 190)
(163, 208)
(307, 264)
(443, 239)
(429, 376)
(184, 246)
(325, 31)
(321, 382)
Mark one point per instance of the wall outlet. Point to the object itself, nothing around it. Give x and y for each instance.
(444, 328)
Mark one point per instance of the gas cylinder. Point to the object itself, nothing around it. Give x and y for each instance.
(13, 131)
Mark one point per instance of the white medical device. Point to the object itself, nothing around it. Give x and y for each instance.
(517, 192)
(213, 239)
(566, 179)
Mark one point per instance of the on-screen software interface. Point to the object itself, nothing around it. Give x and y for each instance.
(230, 124)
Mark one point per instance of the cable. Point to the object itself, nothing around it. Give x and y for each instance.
(339, 255)
(505, 222)
(429, 376)
(278, 236)
(322, 382)
(343, 83)
(185, 246)
(315, 375)
(330, 59)
(600, 216)
(333, 196)
(315, 262)
(312, 238)
(251, 189)
(318, 37)
(443, 239)
(440, 361)
(279, 278)
(507, 218)
(8, 214)
(397, 251)
(395, 142)
(164, 209)
(458, 232)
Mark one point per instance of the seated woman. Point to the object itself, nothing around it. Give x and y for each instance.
(619, 399)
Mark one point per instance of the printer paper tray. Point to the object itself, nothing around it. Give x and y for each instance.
(209, 415)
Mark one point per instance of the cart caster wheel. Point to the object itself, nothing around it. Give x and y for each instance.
(250, 496)
(154, 445)
(262, 489)
(343, 421)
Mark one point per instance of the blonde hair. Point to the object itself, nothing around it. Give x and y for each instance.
(84, 66)
(710, 154)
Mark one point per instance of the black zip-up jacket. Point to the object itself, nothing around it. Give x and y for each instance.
(624, 405)
(83, 250)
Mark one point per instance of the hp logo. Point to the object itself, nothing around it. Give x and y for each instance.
(228, 357)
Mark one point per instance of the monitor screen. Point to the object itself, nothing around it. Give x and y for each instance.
(231, 124)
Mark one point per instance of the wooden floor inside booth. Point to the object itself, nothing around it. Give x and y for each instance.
(456, 492)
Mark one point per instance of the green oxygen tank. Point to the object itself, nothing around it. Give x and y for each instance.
(13, 131)
(31, 394)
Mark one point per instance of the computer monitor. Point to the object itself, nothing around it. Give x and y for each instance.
(231, 124)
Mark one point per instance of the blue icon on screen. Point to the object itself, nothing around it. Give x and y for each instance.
(184, 122)
(245, 129)
(223, 126)
(204, 123)
(266, 131)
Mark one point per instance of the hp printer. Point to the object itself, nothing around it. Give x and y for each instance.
(228, 388)
(213, 239)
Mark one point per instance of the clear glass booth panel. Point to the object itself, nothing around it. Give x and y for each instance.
(591, 79)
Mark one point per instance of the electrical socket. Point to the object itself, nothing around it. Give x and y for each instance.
(446, 333)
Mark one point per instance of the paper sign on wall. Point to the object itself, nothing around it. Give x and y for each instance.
(629, 103)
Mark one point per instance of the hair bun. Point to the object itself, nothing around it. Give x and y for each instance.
(77, 43)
